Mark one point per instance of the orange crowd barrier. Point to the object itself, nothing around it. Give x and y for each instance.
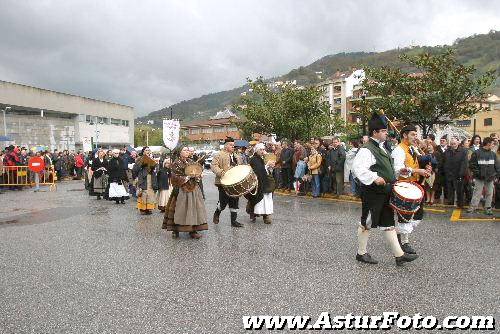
(15, 176)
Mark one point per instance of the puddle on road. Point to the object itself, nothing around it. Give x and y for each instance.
(42, 216)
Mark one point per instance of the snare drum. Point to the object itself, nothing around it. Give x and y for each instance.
(239, 181)
(406, 197)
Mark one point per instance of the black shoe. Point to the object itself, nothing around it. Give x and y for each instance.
(98, 197)
(406, 258)
(366, 258)
(407, 248)
(216, 216)
(234, 222)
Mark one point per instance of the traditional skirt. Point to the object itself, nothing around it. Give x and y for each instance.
(163, 196)
(146, 198)
(265, 206)
(185, 211)
(117, 190)
(99, 185)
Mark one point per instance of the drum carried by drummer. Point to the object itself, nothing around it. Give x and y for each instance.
(407, 169)
(222, 163)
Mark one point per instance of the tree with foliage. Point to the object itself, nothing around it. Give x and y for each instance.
(287, 111)
(439, 92)
(144, 133)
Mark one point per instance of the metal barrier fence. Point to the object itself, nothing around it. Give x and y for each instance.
(21, 176)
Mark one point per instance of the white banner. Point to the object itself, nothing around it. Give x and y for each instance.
(171, 129)
(87, 144)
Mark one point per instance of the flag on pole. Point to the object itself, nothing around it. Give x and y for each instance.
(171, 129)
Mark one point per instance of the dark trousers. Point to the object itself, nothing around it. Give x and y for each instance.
(225, 200)
(338, 182)
(454, 185)
(441, 187)
(286, 177)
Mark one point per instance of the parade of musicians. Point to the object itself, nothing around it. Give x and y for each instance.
(360, 192)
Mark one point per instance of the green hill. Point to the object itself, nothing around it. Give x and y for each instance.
(482, 51)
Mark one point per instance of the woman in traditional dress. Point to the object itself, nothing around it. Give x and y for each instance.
(99, 175)
(185, 211)
(261, 203)
(117, 178)
(164, 188)
(147, 183)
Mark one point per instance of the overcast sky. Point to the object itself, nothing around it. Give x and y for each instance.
(150, 54)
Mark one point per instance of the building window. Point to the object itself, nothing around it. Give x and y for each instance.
(207, 130)
(115, 121)
(88, 119)
(337, 101)
(105, 120)
(232, 129)
(220, 129)
(488, 121)
(124, 122)
(81, 118)
(463, 123)
(194, 131)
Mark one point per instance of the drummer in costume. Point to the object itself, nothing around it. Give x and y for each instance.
(373, 166)
(147, 183)
(406, 168)
(261, 203)
(99, 175)
(185, 210)
(221, 163)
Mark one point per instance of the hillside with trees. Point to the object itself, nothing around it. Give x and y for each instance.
(482, 51)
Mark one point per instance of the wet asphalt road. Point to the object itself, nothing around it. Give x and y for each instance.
(72, 264)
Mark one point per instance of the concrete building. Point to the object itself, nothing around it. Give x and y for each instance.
(211, 131)
(339, 88)
(41, 117)
(483, 123)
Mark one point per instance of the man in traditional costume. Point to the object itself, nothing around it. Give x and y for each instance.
(147, 183)
(374, 168)
(407, 168)
(99, 181)
(185, 210)
(117, 178)
(221, 163)
(261, 203)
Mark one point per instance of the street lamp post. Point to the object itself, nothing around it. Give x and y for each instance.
(4, 121)
(96, 131)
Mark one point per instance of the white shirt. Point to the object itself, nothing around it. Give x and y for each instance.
(362, 163)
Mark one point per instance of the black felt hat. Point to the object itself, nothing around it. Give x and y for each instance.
(377, 122)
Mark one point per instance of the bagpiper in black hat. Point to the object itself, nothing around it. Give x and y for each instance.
(377, 122)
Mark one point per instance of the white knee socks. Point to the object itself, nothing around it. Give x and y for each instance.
(362, 240)
(392, 239)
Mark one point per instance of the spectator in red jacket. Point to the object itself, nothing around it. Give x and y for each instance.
(79, 163)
